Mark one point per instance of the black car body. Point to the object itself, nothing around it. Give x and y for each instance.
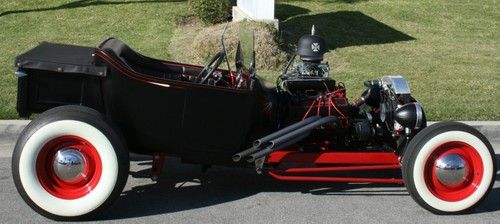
(99, 104)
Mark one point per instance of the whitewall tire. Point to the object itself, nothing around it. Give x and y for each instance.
(69, 163)
(449, 168)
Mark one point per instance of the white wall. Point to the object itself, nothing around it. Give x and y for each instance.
(257, 9)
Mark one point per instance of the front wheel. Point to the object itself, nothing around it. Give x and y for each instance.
(449, 168)
(69, 163)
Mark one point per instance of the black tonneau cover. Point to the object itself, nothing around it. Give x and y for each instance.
(61, 58)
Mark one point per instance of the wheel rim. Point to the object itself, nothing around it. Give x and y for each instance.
(68, 167)
(453, 171)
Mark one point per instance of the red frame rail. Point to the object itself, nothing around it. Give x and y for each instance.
(331, 162)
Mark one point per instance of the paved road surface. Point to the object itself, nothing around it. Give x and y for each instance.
(226, 195)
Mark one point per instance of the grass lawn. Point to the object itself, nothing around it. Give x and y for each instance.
(145, 25)
(449, 51)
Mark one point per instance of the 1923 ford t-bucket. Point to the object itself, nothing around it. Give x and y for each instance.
(99, 104)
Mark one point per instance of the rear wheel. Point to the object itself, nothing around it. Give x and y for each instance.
(69, 163)
(449, 168)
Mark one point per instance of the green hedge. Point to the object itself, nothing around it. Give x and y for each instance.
(211, 11)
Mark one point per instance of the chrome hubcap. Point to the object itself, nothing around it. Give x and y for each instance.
(451, 170)
(69, 165)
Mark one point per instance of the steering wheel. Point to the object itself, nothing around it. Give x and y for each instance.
(210, 68)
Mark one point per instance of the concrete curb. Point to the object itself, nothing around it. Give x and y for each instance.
(490, 129)
(10, 129)
(9, 132)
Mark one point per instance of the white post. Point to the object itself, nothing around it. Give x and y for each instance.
(258, 10)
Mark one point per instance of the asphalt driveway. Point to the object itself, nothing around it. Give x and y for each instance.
(184, 194)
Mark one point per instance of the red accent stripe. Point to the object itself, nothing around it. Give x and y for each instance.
(156, 81)
(171, 63)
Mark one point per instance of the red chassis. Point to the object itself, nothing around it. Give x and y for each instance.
(318, 162)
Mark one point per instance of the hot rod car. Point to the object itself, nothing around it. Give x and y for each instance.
(99, 104)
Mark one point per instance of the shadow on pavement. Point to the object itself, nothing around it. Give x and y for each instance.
(491, 203)
(184, 187)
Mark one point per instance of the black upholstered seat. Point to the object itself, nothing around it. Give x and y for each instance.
(138, 62)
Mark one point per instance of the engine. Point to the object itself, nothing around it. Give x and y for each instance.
(388, 107)
(384, 113)
(305, 86)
